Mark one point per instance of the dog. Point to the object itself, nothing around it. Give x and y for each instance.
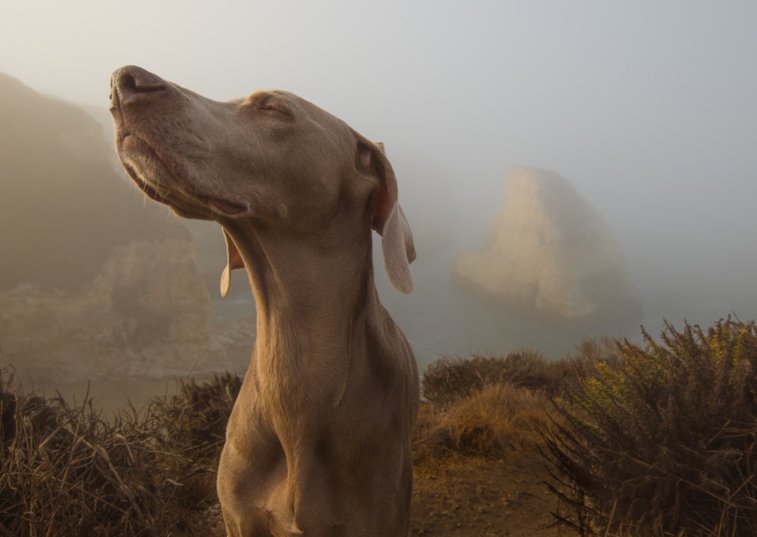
(319, 440)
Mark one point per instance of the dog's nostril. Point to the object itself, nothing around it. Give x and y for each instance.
(129, 84)
(149, 85)
(135, 83)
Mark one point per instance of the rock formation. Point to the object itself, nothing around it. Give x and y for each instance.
(549, 251)
(147, 294)
(146, 315)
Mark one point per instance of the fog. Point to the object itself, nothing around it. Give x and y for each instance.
(648, 108)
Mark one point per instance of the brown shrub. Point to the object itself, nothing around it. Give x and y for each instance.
(196, 416)
(452, 378)
(497, 421)
(66, 471)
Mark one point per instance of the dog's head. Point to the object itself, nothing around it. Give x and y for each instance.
(272, 157)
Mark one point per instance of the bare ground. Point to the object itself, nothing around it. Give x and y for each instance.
(466, 497)
(462, 496)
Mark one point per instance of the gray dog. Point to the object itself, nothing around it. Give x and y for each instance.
(318, 443)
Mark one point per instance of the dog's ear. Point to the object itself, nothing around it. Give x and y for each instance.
(233, 261)
(388, 218)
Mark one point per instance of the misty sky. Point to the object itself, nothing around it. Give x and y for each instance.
(648, 107)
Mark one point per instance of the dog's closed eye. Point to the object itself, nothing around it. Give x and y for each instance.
(272, 106)
(268, 103)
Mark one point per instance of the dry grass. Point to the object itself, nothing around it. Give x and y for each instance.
(453, 378)
(67, 471)
(497, 421)
(487, 406)
(497, 406)
(654, 440)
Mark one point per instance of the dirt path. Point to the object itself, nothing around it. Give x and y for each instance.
(474, 497)
(467, 497)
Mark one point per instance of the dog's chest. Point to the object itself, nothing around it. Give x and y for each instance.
(299, 386)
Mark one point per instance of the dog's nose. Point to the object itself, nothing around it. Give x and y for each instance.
(131, 83)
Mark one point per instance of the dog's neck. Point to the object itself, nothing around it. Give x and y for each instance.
(310, 292)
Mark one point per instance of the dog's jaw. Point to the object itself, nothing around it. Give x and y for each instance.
(228, 208)
(151, 162)
(164, 180)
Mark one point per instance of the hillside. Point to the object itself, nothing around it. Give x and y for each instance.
(63, 208)
(95, 281)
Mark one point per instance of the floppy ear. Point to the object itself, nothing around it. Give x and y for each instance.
(388, 219)
(233, 261)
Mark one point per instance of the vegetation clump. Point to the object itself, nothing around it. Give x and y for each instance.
(499, 420)
(486, 406)
(663, 440)
(453, 378)
(67, 471)
(657, 439)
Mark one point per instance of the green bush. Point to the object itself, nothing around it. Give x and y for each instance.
(662, 440)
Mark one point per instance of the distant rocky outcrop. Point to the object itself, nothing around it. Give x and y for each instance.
(145, 315)
(145, 295)
(550, 252)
